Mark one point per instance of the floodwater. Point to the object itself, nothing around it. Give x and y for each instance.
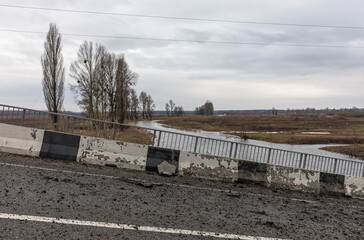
(304, 148)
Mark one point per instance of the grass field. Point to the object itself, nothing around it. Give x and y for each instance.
(285, 128)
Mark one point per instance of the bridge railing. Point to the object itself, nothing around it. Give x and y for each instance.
(77, 124)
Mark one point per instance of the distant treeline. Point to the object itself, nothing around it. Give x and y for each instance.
(268, 111)
(292, 111)
(279, 111)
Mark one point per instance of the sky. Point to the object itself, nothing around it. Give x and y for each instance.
(269, 73)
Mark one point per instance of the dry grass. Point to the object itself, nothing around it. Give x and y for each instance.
(85, 128)
(354, 150)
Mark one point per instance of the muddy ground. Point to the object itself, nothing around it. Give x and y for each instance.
(150, 200)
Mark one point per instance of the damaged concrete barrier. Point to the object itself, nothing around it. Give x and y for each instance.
(35, 142)
(20, 140)
(208, 167)
(156, 156)
(252, 172)
(293, 179)
(112, 153)
(354, 186)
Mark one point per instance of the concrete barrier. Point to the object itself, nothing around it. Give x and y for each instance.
(354, 186)
(332, 183)
(112, 153)
(60, 146)
(157, 156)
(20, 140)
(35, 142)
(293, 179)
(208, 167)
(252, 172)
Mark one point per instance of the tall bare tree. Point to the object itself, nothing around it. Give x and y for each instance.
(134, 104)
(87, 71)
(150, 107)
(168, 109)
(171, 105)
(143, 103)
(110, 75)
(125, 78)
(206, 109)
(53, 71)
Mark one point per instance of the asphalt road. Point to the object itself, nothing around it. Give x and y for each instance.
(52, 199)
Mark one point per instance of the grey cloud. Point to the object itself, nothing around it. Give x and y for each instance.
(190, 73)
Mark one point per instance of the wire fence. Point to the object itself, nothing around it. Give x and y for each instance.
(77, 124)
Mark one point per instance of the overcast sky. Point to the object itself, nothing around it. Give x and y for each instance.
(232, 76)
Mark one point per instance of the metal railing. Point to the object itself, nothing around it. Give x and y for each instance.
(187, 142)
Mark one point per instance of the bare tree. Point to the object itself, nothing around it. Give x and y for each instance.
(143, 102)
(171, 105)
(168, 109)
(125, 78)
(178, 111)
(110, 69)
(86, 70)
(150, 107)
(209, 108)
(134, 104)
(206, 109)
(53, 71)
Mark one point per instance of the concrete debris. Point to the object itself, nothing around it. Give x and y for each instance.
(166, 168)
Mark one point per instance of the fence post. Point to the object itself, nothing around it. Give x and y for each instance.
(22, 118)
(335, 165)
(196, 145)
(67, 122)
(114, 134)
(269, 152)
(304, 161)
(159, 137)
(73, 124)
(300, 163)
(154, 133)
(236, 150)
(231, 149)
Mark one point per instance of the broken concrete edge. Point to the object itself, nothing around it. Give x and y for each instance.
(104, 152)
(275, 176)
(91, 150)
(208, 167)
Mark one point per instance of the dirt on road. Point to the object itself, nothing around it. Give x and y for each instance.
(68, 190)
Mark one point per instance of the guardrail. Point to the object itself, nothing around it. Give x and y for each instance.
(187, 142)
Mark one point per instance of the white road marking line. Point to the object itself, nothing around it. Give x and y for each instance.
(168, 184)
(130, 227)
